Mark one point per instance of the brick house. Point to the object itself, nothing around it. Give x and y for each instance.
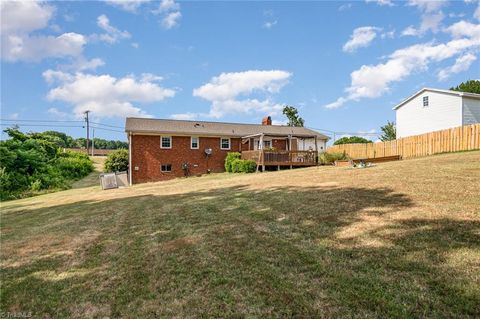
(162, 149)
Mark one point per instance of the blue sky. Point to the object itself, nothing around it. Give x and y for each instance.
(343, 64)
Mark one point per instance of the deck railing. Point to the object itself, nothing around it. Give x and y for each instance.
(294, 158)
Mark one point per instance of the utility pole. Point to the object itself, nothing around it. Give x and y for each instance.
(88, 128)
(93, 142)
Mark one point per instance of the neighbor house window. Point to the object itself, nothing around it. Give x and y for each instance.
(166, 167)
(425, 101)
(166, 142)
(194, 143)
(225, 143)
(267, 144)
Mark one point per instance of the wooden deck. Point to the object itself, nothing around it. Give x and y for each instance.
(281, 158)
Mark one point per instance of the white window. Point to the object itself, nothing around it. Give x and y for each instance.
(225, 143)
(194, 143)
(425, 101)
(266, 144)
(166, 142)
(166, 167)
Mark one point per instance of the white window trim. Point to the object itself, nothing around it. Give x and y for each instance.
(198, 142)
(428, 101)
(171, 142)
(229, 143)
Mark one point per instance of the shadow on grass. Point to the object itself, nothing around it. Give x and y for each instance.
(236, 252)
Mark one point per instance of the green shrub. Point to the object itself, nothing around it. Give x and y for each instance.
(329, 158)
(236, 166)
(249, 166)
(30, 163)
(243, 166)
(36, 186)
(74, 166)
(117, 161)
(231, 156)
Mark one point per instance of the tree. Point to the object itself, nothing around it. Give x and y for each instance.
(389, 132)
(291, 113)
(470, 86)
(351, 140)
(117, 161)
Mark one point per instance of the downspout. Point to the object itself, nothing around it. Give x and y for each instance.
(130, 158)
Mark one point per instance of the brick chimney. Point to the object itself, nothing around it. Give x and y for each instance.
(267, 120)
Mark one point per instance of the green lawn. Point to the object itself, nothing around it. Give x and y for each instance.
(401, 240)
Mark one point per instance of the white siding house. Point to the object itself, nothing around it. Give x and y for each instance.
(431, 110)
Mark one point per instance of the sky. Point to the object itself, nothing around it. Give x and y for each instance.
(343, 64)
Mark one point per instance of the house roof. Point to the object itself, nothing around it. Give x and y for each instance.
(203, 128)
(461, 94)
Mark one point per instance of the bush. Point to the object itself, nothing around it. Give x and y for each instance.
(243, 166)
(236, 166)
(249, 166)
(329, 158)
(117, 161)
(231, 156)
(31, 163)
(73, 166)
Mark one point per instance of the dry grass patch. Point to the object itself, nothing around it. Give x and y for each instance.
(401, 239)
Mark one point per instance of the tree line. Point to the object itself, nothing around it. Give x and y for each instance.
(66, 141)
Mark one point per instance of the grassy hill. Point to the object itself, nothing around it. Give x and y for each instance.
(401, 239)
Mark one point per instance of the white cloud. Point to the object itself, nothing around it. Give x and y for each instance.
(270, 20)
(224, 91)
(167, 6)
(57, 113)
(170, 11)
(269, 24)
(36, 48)
(20, 19)
(171, 19)
(382, 2)
(184, 116)
(361, 37)
(112, 35)
(24, 16)
(135, 45)
(427, 5)
(410, 31)
(464, 29)
(127, 5)
(388, 34)
(462, 63)
(371, 81)
(104, 95)
(431, 17)
(345, 7)
(83, 64)
(476, 14)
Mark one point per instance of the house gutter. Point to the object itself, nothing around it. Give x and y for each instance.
(130, 158)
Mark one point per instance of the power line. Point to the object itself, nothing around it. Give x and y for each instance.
(5, 124)
(17, 120)
(107, 125)
(106, 129)
(351, 133)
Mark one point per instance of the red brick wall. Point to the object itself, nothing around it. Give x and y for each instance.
(148, 157)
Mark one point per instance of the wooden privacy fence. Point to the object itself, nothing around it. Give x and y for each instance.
(463, 138)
